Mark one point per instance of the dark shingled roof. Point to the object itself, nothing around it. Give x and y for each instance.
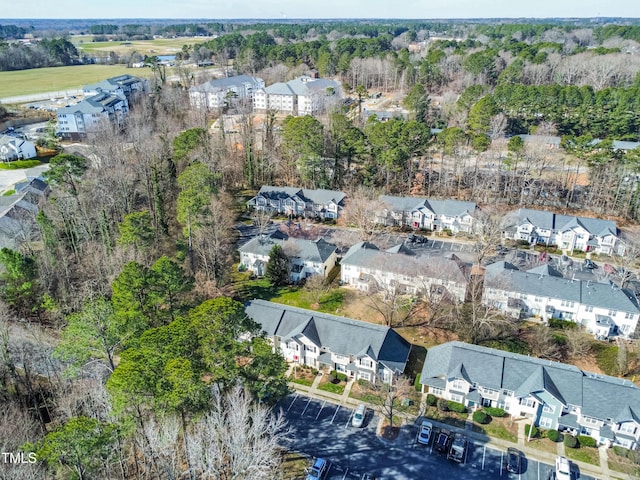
(340, 335)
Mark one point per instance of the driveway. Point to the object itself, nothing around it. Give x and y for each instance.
(322, 429)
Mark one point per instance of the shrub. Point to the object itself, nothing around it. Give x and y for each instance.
(481, 417)
(457, 407)
(331, 378)
(443, 405)
(562, 324)
(342, 377)
(494, 412)
(533, 429)
(363, 383)
(571, 441)
(431, 399)
(586, 441)
(554, 435)
(417, 384)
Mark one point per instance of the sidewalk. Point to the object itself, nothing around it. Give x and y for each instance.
(600, 472)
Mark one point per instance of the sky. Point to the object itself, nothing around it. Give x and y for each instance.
(277, 9)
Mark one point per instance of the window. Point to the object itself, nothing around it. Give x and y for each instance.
(548, 408)
(459, 384)
(628, 316)
(588, 308)
(545, 422)
(438, 392)
(365, 362)
(612, 313)
(589, 420)
(292, 346)
(489, 391)
(457, 398)
(527, 402)
(310, 348)
(507, 393)
(365, 375)
(628, 427)
(538, 299)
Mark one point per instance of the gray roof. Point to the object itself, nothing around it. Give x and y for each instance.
(546, 220)
(300, 86)
(113, 84)
(318, 196)
(95, 104)
(317, 251)
(225, 83)
(340, 335)
(599, 396)
(403, 261)
(538, 282)
(448, 207)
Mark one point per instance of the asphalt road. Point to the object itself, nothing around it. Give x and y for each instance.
(323, 429)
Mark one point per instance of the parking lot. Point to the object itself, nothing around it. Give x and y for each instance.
(322, 429)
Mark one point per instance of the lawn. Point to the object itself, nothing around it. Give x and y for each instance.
(337, 388)
(54, 79)
(622, 464)
(294, 465)
(543, 444)
(500, 428)
(583, 454)
(158, 46)
(451, 418)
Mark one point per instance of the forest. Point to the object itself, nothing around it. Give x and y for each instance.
(125, 349)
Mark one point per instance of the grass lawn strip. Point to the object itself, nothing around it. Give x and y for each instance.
(583, 454)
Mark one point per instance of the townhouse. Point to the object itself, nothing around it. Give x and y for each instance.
(299, 202)
(361, 350)
(123, 86)
(566, 232)
(553, 395)
(18, 225)
(306, 257)
(16, 148)
(223, 92)
(305, 95)
(603, 308)
(403, 270)
(427, 213)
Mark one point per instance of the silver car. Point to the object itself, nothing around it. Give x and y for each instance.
(358, 416)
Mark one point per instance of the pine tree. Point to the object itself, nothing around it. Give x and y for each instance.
(278, 266)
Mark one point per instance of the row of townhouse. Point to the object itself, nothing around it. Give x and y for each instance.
(107, 101)
(567, 232)
(305, 95)
(307, 257)
(427, 213)
(554, 395)
(299, 202)
(361, 350)
(18, 225)
(400, 269)
(603, 308)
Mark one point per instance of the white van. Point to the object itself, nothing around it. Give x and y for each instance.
(358, 416)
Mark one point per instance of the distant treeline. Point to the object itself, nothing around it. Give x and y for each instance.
(11, 32)
(46, 53)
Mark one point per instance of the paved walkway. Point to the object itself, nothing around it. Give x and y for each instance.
(601, 471)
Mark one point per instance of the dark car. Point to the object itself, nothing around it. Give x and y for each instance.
(443, 441)
(589, 264)
(514, 460)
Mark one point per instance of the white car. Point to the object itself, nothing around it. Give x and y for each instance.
(424, 437)
(563, 469)
(358, 416)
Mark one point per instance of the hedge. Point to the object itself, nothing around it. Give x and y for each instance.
(341, 377)
(417, 384)
(571, 441)
(457, 407)
(431, 399)
(586, 441)
(494, 412)
(554, 435)
(481, 417)
(443, 405)
(534, 431)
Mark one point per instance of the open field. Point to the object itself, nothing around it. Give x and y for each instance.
(160, 46)
(36, 80)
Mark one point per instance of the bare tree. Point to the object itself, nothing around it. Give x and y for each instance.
(578, 342)
(622, 358)
(16, 428)
(388, 396)
(261, 220)
(542, 343)
(237, 439)
(316, 287)
(393, 304)
(363, 210)
(486, 234)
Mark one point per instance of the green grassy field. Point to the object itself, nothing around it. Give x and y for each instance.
(36, 80)
(159, 46)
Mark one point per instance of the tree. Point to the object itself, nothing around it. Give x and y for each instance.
(168, 287)
(65, 170)
(543, 344)
(622, 358)
(20, 287)
(91, 335)
(137, 229)
(303, 144)
(278, 267)
(417, 101)
(480, 115)
(388, 396)
(263, 374)
(81, 445)
(238, 439)
(363, 212)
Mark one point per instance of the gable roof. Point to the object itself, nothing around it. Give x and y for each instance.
(543, 281)
(599, 396)
(340, 335)
(220, 84)
(546, 220)
(447, 207)
(318, 196)
(304, 86)
(317, 251)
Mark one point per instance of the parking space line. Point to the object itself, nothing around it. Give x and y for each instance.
(349, 419)
(305, 407)
(484, 452)
(501, 461)
(323, 404)
(294, 399)
(345, 474)
(334, 414)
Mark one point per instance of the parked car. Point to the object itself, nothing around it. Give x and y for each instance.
(458, 448)
(588, 263)
(358, 416)
(424, 437)
(609, 269)
(563, 468)
(514, 460)
(443, 441)
(318, 470)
